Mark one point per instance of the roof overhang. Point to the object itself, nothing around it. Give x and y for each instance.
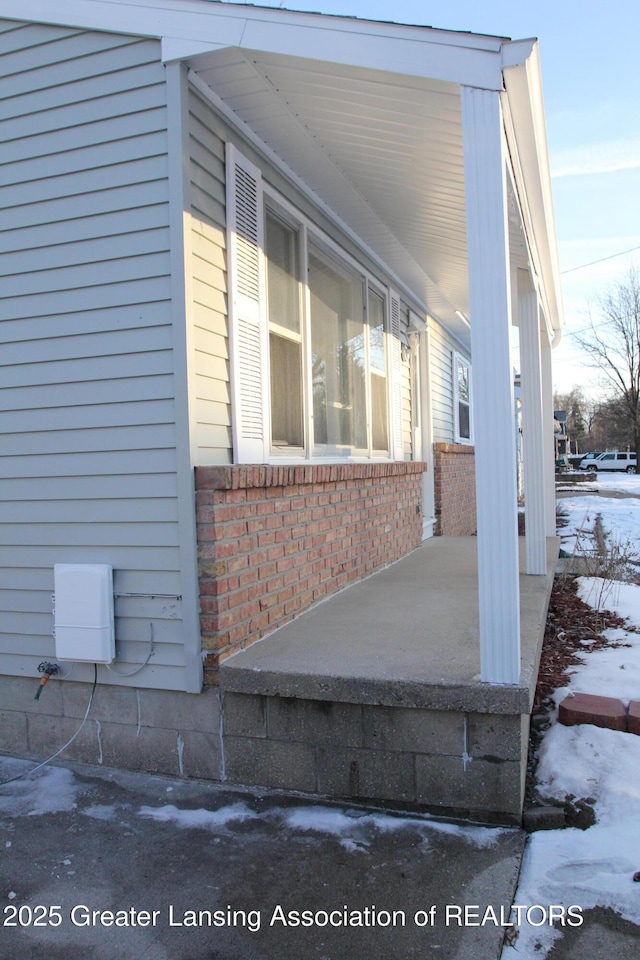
(366, 116)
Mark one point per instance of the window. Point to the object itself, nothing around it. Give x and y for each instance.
(285, 334)
(462, 399)
(315, 347)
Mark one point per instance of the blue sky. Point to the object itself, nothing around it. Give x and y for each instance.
(591, 79)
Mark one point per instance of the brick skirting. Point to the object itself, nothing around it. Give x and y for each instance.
(274, 540)
(455, 490)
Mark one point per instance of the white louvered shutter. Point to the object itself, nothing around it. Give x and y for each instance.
(247, 315)
(396, 376)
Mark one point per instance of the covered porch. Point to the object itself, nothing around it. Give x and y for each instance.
(376, 694)
(426, 149)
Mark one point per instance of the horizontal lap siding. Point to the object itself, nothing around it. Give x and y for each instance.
(209, 308)
(406, 389)
(86, 386)
(441, 371)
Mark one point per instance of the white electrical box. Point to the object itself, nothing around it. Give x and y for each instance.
(83, 612)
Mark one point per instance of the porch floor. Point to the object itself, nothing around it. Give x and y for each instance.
(405, 637)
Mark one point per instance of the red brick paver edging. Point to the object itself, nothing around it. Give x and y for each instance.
(607, 712)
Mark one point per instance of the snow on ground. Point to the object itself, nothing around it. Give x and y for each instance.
(56, 789)
(50, 790)
(593, 867)
(351, 825)
(620, 515)
(206, 819)
(620, 520)
(619, 482)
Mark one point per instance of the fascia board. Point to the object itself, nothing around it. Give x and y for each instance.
(188, 26)
(515, 53)
(418, 56)
(526, 137)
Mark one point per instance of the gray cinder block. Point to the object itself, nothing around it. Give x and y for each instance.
(315, 721)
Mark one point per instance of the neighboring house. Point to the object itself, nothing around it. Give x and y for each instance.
(252, 260)
(563, 442)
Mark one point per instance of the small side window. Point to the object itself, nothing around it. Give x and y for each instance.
(463, 426)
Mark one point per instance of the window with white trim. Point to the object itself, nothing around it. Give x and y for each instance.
(314, 344)
(463, 425)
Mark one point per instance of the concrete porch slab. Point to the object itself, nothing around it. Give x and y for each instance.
(406, 637)
(375, 695)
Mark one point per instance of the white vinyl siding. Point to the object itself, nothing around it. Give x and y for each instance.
(443, 348)
(86, 387)
(212, 407)
(407, 400)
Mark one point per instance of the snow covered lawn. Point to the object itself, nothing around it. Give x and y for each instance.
(593, 867)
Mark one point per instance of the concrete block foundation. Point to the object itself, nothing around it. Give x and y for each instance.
(448, 762)
(152, 730)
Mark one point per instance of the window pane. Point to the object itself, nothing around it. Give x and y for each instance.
(337, 345)
(376, 334)
(282, 274)
(379, 418)
(286, 392)
(283, 291)
(464, 424)
(379, 408)
(463, 382)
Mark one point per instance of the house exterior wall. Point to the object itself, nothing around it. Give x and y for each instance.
(160, 731)
(407, 409)
(212, 406)
(208, 134)
(455, 490)
(89, 409)
(87, 384)
(443, 347)
(271, 545)
(274, 540)
(453, 463)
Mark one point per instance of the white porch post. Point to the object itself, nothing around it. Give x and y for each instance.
(495, 453)
(548, 438)
(532, 425)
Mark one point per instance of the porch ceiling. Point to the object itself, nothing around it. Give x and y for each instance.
(382, 150)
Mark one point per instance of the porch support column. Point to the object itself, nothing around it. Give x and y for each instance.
(493, 405)
(532, 425)
(548, 437)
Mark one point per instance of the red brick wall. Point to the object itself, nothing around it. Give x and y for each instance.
(455, 490)
(274, 540)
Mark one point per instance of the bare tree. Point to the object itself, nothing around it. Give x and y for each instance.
(612, 344)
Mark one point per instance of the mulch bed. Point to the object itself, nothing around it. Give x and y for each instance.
(569, 622)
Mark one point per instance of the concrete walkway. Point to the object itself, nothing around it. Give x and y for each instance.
(82, 847)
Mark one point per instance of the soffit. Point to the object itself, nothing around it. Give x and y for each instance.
(383, 151)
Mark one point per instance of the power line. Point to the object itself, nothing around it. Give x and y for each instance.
(601, 260)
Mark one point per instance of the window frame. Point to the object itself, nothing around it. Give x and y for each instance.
(311, 236)
(460, 361)
(277, 450)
